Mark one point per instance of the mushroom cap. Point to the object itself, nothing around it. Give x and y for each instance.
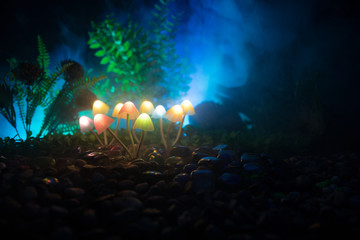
(116, 112)
(129, 108)
(187, 107)
(144, 122)
(146, 107)
(99, 107)
(175, 113)
(159, 112)
(102, 122)
(86, 124)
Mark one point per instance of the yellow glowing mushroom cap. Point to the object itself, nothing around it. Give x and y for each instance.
(102, 122)
(129, 108)
(175, 114)
(146, 107)
(86, 124)
(100, 107)
(116, 112)
(159, 112)
(144, 122)
(187, 107)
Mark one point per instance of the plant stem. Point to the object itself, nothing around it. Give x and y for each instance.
(122, 144)
(162, 134)
(97, 137)
(168, 132)
(116, 130)
(140, 143)
(128, 130)
(179, 131)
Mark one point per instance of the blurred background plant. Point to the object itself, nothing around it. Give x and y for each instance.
(30, 85)
(141, 64)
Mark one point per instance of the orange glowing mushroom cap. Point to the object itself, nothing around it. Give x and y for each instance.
(146, 107)
(86, 124)
(175, 113)
(116, 112)
(144, 122)
(100, 107)
(129, 108)
(102, 122)
(187, 107)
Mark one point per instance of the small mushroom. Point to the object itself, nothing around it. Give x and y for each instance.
(129, 112)
(188, 109)
(159, 112)
(102, 122)
(116, 114)
(86, 125)
(99, 107)
(146, 107)
(144, 123)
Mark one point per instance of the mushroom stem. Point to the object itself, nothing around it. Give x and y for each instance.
(105, 138)
(133, 131)
(97, 137)
(122, 144)
(162, 134)
(168, 132)
(140, 143)
(116, 130)
(128, 130)
(179, 131)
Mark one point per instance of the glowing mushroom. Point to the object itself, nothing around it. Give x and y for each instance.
(87, 125)
(174, 114)
(129, 112)
(146, 107)
(116, 114)
(102, 122)
(159, 112)
(99, 107)
(144, 123)
(188, 109)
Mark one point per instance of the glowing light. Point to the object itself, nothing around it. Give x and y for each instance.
(102, 122)
(129, 108)
(144, 122)
(158, 112)
(187, 107)
(175, 113)
(146, 107)
(86, 124)
(100, 107)
(116, 112)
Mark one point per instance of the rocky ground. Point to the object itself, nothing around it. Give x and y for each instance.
(209, 192)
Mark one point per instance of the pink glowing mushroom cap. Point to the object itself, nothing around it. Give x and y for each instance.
(102, 122)
(129, 108)
(86, 124)
(175, 113)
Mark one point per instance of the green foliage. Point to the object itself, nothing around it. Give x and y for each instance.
(30, 85)
(142, 63)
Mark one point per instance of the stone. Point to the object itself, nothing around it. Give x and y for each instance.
(74, 192)
(188, 168)
(230, 179)
(227, 155)
(250, 158)
(141, 188)
(127, 202)
(174, 160)
(181, 151)
(202, 180)
(29, 193)
(97, 177)
(251, 167)
(182, 178)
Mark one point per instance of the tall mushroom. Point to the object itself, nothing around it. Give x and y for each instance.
(145, 107)
(174, 114)
(116, 114)
(159, 113)
(102, 122)
(144, 123)
(86, 125)
(100, 107)
(188, 109)
(129, 112)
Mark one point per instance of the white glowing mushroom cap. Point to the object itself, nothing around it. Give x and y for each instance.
(159, 112)
(86, 124)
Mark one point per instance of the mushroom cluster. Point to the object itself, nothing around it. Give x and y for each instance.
(140, 120)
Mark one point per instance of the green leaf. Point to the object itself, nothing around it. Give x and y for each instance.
(126, 46)
(95, 45)
(100, 53)
(105, 60)
(129, 53)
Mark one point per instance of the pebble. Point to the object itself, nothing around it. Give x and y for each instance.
(74, 192)
(202, 180)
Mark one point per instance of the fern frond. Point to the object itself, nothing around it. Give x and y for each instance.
(43, 58)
